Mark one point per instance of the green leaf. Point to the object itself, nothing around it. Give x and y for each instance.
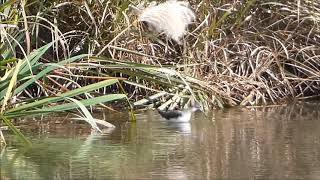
(45, 72)
(34, 57)
(71, 93)
(89, 119)
(69, 106)
(7, 121)
(6, 4)
(11, 86)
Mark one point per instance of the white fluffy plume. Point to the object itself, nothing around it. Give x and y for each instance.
(171, 17)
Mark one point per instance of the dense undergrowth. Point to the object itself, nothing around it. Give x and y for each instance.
(253, 52)
(58, 55)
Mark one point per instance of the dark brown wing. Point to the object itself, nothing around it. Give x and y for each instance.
(170, 114)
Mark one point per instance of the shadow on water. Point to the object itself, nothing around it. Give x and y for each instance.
(239, 143)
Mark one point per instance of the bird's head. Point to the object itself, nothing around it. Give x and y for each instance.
(195, 105)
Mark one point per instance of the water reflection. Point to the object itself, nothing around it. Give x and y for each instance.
(263, 143)
(183, 127)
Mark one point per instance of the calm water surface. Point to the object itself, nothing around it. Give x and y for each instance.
(262, 143)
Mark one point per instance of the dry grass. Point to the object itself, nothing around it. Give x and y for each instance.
(254, 53)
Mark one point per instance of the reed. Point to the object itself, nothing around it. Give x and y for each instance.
(236, 53)
(30, 82)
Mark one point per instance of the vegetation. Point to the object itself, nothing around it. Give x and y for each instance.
(58, 56)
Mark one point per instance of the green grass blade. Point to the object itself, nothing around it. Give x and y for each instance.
(33, 57)
(68, 106)
(6, 4)
(15, 130)
(45, 72)
(71, 93)
(89, 119)
(11, 86)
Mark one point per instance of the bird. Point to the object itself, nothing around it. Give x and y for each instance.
(180, 115)
(171, 18)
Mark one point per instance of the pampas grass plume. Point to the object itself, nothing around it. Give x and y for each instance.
(171, 18)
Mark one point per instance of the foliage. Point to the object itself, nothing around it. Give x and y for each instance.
(237, 52)
(27, 78)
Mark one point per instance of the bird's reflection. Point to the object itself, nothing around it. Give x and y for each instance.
(184, 127)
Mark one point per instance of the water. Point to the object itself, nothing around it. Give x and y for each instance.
(240, 143)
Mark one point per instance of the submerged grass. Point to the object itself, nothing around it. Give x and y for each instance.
(236, 53)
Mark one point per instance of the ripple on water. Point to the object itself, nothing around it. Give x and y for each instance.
(263, 143)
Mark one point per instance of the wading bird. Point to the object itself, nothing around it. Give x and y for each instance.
(180, 115)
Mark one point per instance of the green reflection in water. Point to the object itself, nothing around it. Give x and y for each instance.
(263, 143)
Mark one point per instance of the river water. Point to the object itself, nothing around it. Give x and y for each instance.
(281, 142)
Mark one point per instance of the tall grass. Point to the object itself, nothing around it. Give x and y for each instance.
(237, 52)
(242, 53)
(30, 84)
